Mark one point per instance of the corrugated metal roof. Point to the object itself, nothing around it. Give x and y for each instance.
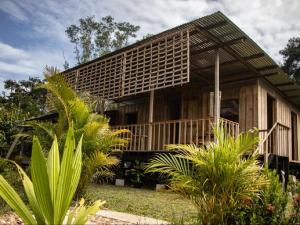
(218, 31)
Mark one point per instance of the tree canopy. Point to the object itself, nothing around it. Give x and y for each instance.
(24, 96)
(291, 58)
(93, 38)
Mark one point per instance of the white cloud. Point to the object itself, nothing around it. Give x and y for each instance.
(13, 9)
(18, 63)
(9, 52)
(270, 23)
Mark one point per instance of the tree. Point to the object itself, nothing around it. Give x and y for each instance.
(291, 58)
(25, 96)
(96, 38)
(216, 178)
(98, 139)
(9, 121)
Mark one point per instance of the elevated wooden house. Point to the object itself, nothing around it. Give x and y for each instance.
(165, 86)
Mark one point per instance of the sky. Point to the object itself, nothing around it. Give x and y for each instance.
(32, 32)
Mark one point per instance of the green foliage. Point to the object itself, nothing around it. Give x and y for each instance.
(24, 96)
(216, 178)
(294, 209)
(268, 209)
(9, 119)
(53, 185)
(11, 175)
(96, 38)
(291, 58)
(98, 139)
(136, 173)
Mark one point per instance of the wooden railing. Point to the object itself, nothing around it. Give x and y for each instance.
(274, 141)
(185, 131)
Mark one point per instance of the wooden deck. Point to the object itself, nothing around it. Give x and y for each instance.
(184, 131)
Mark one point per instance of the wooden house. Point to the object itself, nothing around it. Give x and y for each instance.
(165, 88)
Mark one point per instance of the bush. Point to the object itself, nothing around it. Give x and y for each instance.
(268, 209)
(12, 176)
(216, 178)
(294, 210)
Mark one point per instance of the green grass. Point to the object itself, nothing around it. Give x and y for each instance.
(160, 205)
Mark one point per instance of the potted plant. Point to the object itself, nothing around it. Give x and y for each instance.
(136, 174)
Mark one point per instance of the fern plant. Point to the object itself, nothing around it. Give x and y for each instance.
(53, 185)
(217, 177)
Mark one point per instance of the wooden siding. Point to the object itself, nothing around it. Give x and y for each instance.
(195, 103)
(283, 110)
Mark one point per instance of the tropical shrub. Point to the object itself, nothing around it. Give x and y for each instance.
(136, 173)
(294, 212)
(7, 170)
(8, 127)
(53, 185)
(217, 178)
(269, 208)
(98, 139)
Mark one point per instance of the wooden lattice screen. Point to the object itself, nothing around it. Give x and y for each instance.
(157, 64)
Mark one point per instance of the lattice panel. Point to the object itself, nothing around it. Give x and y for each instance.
(157, 64)
(71, 78)
(102, 78)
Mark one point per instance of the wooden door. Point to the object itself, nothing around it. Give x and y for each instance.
(294, 134)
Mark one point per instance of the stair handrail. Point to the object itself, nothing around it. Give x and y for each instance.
(261, 143)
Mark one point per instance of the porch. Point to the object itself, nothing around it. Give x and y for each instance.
(155, 136)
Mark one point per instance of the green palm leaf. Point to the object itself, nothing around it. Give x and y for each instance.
(40, 181)
(11, 197)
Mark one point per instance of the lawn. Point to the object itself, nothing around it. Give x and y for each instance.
(160, 205)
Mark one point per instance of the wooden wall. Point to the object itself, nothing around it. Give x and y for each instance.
(162, 110)
(195, 103)
(282, 113)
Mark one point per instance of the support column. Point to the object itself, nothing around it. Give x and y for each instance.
(151, 104)
(217, 88)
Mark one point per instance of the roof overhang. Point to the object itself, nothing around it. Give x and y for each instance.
(240, 57)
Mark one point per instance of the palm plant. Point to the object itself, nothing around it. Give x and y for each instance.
(217, 177)
(53, 185)
(98, 139)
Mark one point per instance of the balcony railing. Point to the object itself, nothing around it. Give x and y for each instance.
(185, 131)
(274, 140)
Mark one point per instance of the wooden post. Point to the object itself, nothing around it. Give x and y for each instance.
(217, 87)
(151, 103)
(217, 91)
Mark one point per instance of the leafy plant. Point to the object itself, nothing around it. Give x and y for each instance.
(8, 127)
(53, 185)
(217, 178)
(269, 208)
(294, 211)
(98, 139)
(136, 173)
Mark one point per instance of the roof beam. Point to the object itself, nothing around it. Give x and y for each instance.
(245, 77)
(267, 68)
(219, 45)
(212, 26)
(291, 90)
(259, 55)
(284, 84)
(229, 50)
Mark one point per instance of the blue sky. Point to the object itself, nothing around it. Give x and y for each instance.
(32, 32)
